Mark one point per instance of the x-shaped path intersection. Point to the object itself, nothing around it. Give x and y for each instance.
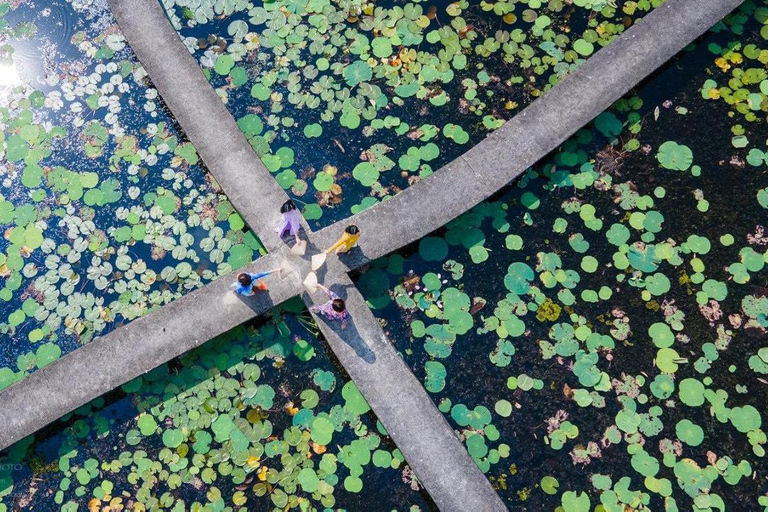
(422, 433)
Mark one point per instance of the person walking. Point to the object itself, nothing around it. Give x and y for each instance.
(289, 223)
(333, 309)
(344, 244)
(347, 241)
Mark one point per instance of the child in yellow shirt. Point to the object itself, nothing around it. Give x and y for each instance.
(346, 242)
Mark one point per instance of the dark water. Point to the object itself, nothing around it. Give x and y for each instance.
(503, 64)
(719, 337)
(106, 212)
(99, 455)
(100, 447)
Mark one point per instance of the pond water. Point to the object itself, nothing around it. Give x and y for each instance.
(597, 333)
(347, 102)
(105, 208)
(260, 418)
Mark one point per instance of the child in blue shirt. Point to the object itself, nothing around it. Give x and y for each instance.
(247, 284)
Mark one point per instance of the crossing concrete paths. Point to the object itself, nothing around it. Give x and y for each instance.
(394, 393)
(405, 401)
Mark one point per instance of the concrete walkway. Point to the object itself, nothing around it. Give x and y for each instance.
(127, 352)
(533, 133)
(422, 433)
(403, 406)
(202, 115)
(405, 401)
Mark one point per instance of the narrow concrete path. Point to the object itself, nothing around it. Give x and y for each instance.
(422, 433)
(202, 115)
(396, 397)
(127, 352)
(533, 133)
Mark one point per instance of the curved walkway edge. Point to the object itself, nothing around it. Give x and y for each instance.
(419, 430)
(202, 115)
(533, 133)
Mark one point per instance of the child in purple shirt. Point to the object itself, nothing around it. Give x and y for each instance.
(290, 220)
(334, 309)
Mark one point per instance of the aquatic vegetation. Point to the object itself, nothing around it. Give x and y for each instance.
(382, 95)
(612, 303)
(258, 418)
(105, 210)
(608, 312)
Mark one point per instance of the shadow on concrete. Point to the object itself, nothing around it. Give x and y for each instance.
(350, 334)
(261, 301)
(352, 337)
(354, 259)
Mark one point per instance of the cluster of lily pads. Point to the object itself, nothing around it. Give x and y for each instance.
(348, 101)
(257, 419)
(596, 335)
(104, 208)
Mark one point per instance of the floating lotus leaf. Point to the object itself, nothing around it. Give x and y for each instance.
(224, 64)
(645, 464)
(689, 433)
(313, 130)
(323, 182)
(583, 47)
(674, 156)
(366, 173)
(355, 402)
(357, 72)
(435, 379)
(745, 418)
(433, 249)
(503, 408)
(576, 502)
(173, 438)
(147, 425)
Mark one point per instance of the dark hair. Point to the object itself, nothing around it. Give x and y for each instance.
(338, 305)
(287, 206)
(244, 279)
(352, 229)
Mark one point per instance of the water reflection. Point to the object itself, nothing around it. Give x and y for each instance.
(9, 76)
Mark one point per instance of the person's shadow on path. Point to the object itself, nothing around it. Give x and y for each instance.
(350, 334)
(351, 337)
(260, 302)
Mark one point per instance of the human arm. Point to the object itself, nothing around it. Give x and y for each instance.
(328, 292)
(335, 246)
(259, 275)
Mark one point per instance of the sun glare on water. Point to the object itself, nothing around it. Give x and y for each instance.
(9, 76)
